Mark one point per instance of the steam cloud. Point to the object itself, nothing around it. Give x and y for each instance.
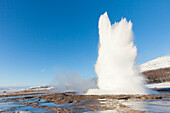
(72, 81)
(115, 67)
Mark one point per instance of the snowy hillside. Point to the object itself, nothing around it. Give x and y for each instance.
(30, 89)
(161, 62)
(40, 88)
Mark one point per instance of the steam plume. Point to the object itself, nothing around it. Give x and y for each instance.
(115, 67)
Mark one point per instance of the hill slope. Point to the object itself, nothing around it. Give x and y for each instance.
(157, 70)
(161, 62)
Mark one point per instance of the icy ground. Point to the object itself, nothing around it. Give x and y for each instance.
(153, 106)
(159, 85)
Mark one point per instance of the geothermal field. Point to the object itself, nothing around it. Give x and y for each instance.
(120, 86)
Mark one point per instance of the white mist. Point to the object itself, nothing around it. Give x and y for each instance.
(115, 67)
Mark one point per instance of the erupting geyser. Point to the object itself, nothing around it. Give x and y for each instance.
(115, 67)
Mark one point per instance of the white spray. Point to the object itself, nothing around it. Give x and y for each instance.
(115, 67)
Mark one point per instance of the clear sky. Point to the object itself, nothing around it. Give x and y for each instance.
(40, 38)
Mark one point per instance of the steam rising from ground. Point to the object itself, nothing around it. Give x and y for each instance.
(72, 81)
(115, 67)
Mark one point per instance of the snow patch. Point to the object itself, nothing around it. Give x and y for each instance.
(159, 85)
(161, 62)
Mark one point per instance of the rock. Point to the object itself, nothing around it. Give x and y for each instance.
(122, 105)
(149, 97)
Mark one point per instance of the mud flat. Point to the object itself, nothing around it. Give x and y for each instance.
(71, 102)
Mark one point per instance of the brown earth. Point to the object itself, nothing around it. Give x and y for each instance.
(158, 75)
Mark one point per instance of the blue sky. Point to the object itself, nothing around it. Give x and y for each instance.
(41, 38)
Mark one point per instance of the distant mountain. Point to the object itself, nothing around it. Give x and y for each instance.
(40, 88)
(43, 88)
(161, 62)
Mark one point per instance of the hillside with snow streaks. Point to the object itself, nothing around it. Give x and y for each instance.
(161, 62)
(30, 89)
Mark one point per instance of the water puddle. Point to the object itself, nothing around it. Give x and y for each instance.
(8, 106)
(48, 104)
(29, 109)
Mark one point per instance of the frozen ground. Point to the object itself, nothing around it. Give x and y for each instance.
(154, 106)
(16, 107)
(10, 91)
(71, 102)
(159, 85)
(8, 105)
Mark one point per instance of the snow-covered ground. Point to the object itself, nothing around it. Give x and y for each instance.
(159, 85)
(150, 106)
(161, 62)
(10, 91)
